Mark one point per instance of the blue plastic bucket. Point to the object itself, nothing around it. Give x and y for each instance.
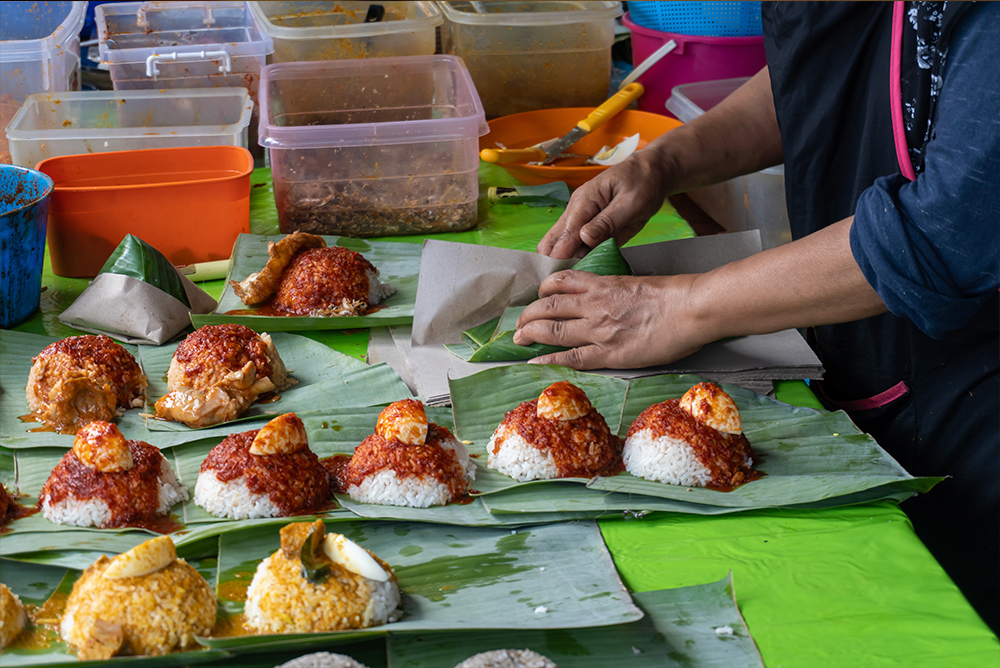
(24, 211)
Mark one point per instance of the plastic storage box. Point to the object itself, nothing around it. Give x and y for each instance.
(696, 58)
(373, 147)
(525, 56)
(315, 30)
(189, 203)
(53, 124)
(751, 202)
(162, 45)
(39, 52)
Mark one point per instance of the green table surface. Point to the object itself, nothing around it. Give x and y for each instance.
(838, 587)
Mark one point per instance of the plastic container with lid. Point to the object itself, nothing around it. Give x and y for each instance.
(525, 56)
(317, 30)
(53, 124)
(189, 203)
(373, 147)
(750, 202)
(696, 58)
(39, 52)
(184, 44)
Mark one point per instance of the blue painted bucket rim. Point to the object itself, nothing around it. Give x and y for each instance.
(49, 186)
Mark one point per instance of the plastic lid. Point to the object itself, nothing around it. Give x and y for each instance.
(506, 13)
(29, 29)
(368, 102)
(35, 119)
(689, 101)
(130, 32)
(311, 19)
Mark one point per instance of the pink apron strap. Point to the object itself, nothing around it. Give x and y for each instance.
(896, 91)
(898, 390)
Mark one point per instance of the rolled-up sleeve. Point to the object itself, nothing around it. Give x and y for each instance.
(931, 247)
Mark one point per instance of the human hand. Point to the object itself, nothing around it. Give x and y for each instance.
(615, 322)
(616, 203)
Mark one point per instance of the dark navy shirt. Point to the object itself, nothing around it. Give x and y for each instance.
(931, 247)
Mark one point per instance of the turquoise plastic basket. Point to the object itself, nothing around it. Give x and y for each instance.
(707, 19)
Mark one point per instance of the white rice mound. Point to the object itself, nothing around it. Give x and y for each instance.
(508, 658)
(518, 458)
(277, 603)
(664, 459)
(377, 290)
(12, 617)
(95, 512)
(323, 660)
(386, 488)
(232, 499)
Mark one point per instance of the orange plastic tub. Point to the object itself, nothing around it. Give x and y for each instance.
(190, 203)
(533, 127)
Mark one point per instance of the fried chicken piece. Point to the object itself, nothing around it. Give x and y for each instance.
(217, 372)
(260, 285)
(82, 379)
(330, 281)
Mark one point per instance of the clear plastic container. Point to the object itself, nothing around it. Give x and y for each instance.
(373, 147)
(525, 56)
(162, 45)
(52, 124)
(39, 52)
(750, 202)
(316, 30)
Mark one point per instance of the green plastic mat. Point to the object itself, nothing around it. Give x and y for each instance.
(398, 265)
(807, 455)
(840, 588)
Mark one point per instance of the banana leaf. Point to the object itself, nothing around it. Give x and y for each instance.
(461, 514)
(677, 631)
(555, 194)
(327, 379)
(808, 456)
(398, 265)
(605, 260)
(8, 470)
(134, 257)
(532, 578)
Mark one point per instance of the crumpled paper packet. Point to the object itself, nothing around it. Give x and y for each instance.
(136, 297)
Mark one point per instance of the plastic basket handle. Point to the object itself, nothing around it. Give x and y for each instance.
(151, 62)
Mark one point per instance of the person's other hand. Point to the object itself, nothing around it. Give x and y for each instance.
(616, 203)
(615, 322)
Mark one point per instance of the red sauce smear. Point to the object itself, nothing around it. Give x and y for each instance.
(724, 455)
(295, 482)
(11, 510)
(375, 454)
(132, 496)
(580, 448)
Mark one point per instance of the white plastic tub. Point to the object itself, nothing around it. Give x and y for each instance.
(751, 202)
(39, 52)
(160, 45)
(373, 147)
(525, 56)
(317, 30)
(53, 124)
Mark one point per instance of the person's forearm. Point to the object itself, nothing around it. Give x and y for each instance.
(812, 281)
(738, 136)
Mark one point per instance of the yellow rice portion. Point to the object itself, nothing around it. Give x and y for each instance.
(159, 612)
(12, 617)
(280, 600)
